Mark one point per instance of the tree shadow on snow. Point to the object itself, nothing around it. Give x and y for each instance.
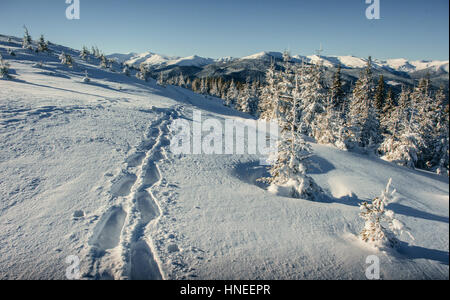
(397, 208)
(320, 165)
(417, 252)
(55, 88)
(250, 172)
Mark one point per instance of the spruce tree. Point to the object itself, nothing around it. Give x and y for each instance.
(289, 172)
(103, 62)
(380, 94)
(423, 110)
(66, 59)
(4, 69)
(204, 86)
(337, 92)
(248, 100)
(84, 53)
(42, 45)
(440, 122)
(126, 70)
(363, 118)
(312, 97)
(143, 73)
(27, 41)
(232, 95)
(270, 97)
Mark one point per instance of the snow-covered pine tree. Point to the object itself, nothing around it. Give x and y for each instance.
(255, 95)
(269, 102)
(27, 41)
(440, 132)
(423, 108)
(4, 69)
(389, 109)
(214, 91)
(96, 52)
(66, 59)
(403, 142)
(126, 70)
(161, 81)
(381, 228)
(330, 128)
(143, 72)
(232, 95)
(337, 92)
(248, 101)
(188, 84)
(204, 86)
(103, 62)
(86, 78)
(84, 53)
(181, 80)
(380, 94)
(312, 95)
(404, 100)
(42, 44)
(289, 172)
(362, 117)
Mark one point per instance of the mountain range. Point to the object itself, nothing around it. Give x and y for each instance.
(396, 71)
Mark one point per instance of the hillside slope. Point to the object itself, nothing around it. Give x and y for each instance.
(87, 171)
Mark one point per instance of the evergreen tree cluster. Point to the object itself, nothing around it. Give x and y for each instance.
(411, 129)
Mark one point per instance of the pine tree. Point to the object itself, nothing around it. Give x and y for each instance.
(363, 118)
(26, 43)
(84, 53)
(403, 141)
(161, 80)
(330, 128)
(66, 59)
(232, 95)
(380, 95)
(387, 113)
(381, 228)
(143, 72)
(248, 99)
(288, 174)
(126, 70)
(440, 132)
(103, 62)
(270, 98)
(423, 111)
(312, 95)
(42, 45)
(181, 80)
(86, 78)
(204, 86)
(4, 69)
(337, 92)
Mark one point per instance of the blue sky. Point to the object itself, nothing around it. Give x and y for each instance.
(411, 29)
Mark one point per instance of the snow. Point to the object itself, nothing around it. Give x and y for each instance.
(405, 65)
(194, 60)
(153, 59)
(87, 171)
(264, 55)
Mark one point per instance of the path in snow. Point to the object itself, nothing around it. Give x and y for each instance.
(120, 246)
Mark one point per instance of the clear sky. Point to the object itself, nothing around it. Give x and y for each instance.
(413, 29)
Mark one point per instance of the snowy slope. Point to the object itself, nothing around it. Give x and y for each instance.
(87, 171)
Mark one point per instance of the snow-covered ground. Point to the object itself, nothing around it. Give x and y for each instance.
(86, 170)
